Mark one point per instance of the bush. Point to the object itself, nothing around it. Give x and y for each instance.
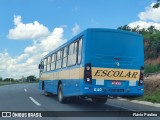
(152, 68)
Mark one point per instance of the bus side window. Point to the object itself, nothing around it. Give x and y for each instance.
(48, 64)
(80, 51)
(55, 58)
(65, 54)
(59, 59)
(72, 54)
(45, 64)
(53, 62)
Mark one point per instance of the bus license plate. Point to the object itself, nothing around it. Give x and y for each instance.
(116, 83)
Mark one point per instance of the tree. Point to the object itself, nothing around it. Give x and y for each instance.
(31, 78)
(9, 80)
(125, 27)
(157, 5)
(1, 78)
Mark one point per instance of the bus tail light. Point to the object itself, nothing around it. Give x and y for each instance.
(88, 73)
(141, 76)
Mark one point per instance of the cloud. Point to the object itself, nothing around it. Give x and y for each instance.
(150, 13)
(75, 29)
(27, 63)
(143, 24)
(23, 31)
(17, 19)
(147, 18)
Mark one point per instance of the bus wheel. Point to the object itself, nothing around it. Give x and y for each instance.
(99, 100)
(60, 94)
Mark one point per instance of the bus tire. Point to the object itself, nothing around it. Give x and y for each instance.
(99, 100)
(61, 98)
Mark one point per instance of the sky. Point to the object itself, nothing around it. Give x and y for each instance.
(29, 29)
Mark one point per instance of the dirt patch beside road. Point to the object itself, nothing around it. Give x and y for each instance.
(152, 83)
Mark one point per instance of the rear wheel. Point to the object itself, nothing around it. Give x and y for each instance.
(99, 100)
(61, 98)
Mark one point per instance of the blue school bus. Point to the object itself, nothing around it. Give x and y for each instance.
(96, 63)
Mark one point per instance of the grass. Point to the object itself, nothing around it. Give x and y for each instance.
(151, 89)
(153, 97)
(152, 68)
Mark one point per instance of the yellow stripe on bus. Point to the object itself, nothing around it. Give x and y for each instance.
(97, 73)
(76, 73)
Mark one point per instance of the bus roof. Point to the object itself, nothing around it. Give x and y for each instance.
(87, 30)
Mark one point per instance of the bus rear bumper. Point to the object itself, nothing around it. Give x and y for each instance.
(127, 92)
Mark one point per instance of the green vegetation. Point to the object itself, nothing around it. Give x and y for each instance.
(157, 5)
(150, 96)
(152, 68)
(7, 81)
(153, 96)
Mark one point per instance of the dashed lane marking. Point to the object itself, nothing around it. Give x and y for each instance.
(25, 90)
(34, 101)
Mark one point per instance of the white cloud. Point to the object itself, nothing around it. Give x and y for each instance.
(150, 14)
(143, 24)
(27, 31)
(53, 40)
(22, 57)
(30, 49)
(17, 19)
(27, 63)
(75, 29)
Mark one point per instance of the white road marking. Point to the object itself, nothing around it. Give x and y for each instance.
(25, 90)
(35, 102)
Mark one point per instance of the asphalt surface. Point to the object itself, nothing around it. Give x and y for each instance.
(27, 97)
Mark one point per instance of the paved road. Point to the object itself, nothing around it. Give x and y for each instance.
(27, 97)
